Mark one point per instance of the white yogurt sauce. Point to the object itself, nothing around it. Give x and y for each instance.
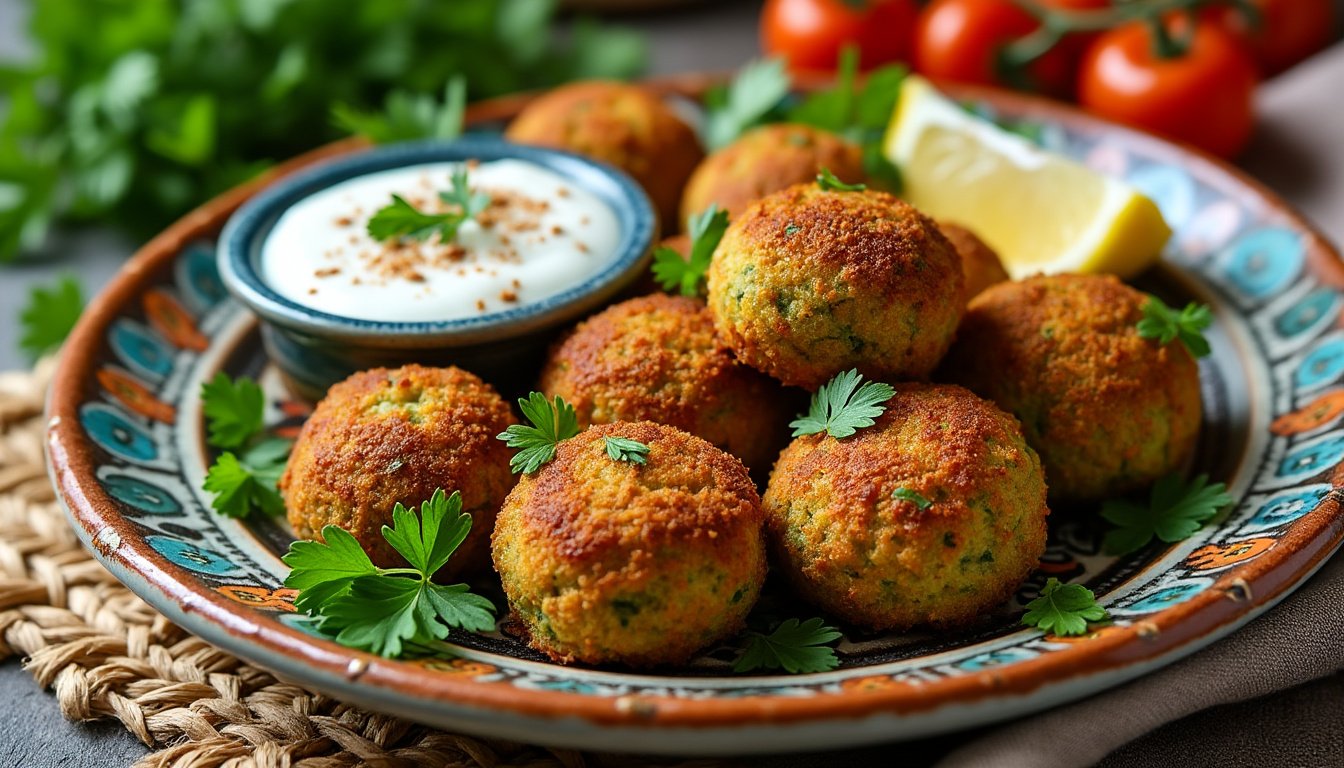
(541, 235)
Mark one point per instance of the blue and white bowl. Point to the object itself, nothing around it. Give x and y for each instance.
(315, 349)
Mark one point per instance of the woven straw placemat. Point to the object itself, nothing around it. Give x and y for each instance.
(107, 654)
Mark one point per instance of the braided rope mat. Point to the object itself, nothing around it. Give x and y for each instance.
(107, 654)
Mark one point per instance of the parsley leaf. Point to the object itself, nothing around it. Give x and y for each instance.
(687, 275)
(841, 407)
(551, 424)
(1063, 609)
(408, 116)
(383, 610)
(858, 115)
(402, 220)
(1175, 510)
(243, 478)
(625, 449)
(233, 410)
(914, 497)
(794, 647)
(827, 181)
(1165, 324)
(50, 315)
(239, 489)
(758, 89)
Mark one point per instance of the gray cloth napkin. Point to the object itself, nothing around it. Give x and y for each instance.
(1297, 152)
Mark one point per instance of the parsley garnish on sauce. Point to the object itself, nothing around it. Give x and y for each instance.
(1063, 609)
(842, 407)
(382, 610)
(625, 449)
(1175, 510)
(401, 220)
(243, 478)
(796, 647)
(827, 181)
(551, 424)
(50, 315)
(1165, 325)
(687, 275)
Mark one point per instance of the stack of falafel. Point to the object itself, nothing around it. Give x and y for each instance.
(930, 517)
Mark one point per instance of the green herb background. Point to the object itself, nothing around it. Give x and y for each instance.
(131, 112)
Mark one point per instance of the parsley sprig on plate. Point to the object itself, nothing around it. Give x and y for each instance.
(551, 423)
(1166, 325)
(385, 610)
(1063, 609)
(401, 220)
(687, 275)
(794, 646)
(50, 315)
(243, 477)
(843, 406)
(1175, 510)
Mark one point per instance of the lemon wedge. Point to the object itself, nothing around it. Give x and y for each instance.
(1039, 211)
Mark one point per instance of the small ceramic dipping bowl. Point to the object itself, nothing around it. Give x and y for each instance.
(504, 344)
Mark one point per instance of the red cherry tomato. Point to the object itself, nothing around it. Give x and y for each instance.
(1288, 30)
(960, 40)
(1202, 97)
(811, 33)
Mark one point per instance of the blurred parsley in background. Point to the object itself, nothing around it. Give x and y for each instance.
(134, 111)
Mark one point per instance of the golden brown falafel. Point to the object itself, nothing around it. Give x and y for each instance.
(1108, 410)
(809, 282)
(613, 562)
(979, 263)
(386, 436)
(620, 124)
(930, 517)
(658, 358)
(765, 160)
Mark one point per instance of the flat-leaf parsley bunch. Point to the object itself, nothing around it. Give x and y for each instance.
(388, 611)
(243, 477)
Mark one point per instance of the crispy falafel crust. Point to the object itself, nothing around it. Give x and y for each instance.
(621, 124)
(611, 562)
(658, 358)
(807, 283)
(880, 562)
(1108, 410)
(979, 263)
(765, 160)
(386, 436)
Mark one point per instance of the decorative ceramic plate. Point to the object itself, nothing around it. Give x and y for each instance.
(128, 459)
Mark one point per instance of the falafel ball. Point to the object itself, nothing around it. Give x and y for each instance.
(621, 124)
(930, 517)
(386, 436)
(979, 263)
(658, 358)
(809, 282)
(1108, 410)
(765, 160)
(615, 562)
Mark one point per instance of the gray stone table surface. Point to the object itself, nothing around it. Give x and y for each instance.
(1298, 152)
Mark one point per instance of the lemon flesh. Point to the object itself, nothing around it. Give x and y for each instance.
(1039, 211)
